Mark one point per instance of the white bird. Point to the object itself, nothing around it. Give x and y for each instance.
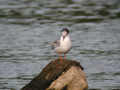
(63, 45)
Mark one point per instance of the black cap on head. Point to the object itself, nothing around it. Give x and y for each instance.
(65, 29)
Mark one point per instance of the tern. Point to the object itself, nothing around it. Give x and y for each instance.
(63, 45)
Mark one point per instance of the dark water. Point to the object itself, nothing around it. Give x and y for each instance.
(27, 27)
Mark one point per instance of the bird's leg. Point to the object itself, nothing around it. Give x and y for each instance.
(60, 57)
(64, 56)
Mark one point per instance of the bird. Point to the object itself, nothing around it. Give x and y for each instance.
(63, 45)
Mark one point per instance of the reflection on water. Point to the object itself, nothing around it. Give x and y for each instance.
(27, 27)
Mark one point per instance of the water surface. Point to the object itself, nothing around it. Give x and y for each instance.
(27, 27)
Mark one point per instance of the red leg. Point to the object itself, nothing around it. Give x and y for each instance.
(64, 56)
(60, 58)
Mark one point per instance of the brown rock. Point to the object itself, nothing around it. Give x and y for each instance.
(59, 75)
(73, 79)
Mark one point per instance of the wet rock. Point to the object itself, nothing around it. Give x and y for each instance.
(59, 75)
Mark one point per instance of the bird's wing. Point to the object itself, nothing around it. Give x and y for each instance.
(55, 44)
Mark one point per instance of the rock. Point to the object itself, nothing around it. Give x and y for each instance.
(72, 79)
(59, 75)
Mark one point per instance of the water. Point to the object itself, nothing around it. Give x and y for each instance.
(28, 26)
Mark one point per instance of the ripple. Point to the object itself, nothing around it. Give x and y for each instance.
(27, 27)
(90, 11)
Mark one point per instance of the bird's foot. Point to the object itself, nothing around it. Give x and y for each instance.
(61, 59)
(64, 57)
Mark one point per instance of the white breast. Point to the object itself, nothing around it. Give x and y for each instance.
(65, 43)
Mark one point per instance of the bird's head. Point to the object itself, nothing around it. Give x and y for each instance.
(65, 32)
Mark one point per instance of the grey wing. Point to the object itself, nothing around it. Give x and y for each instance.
(55, 44)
